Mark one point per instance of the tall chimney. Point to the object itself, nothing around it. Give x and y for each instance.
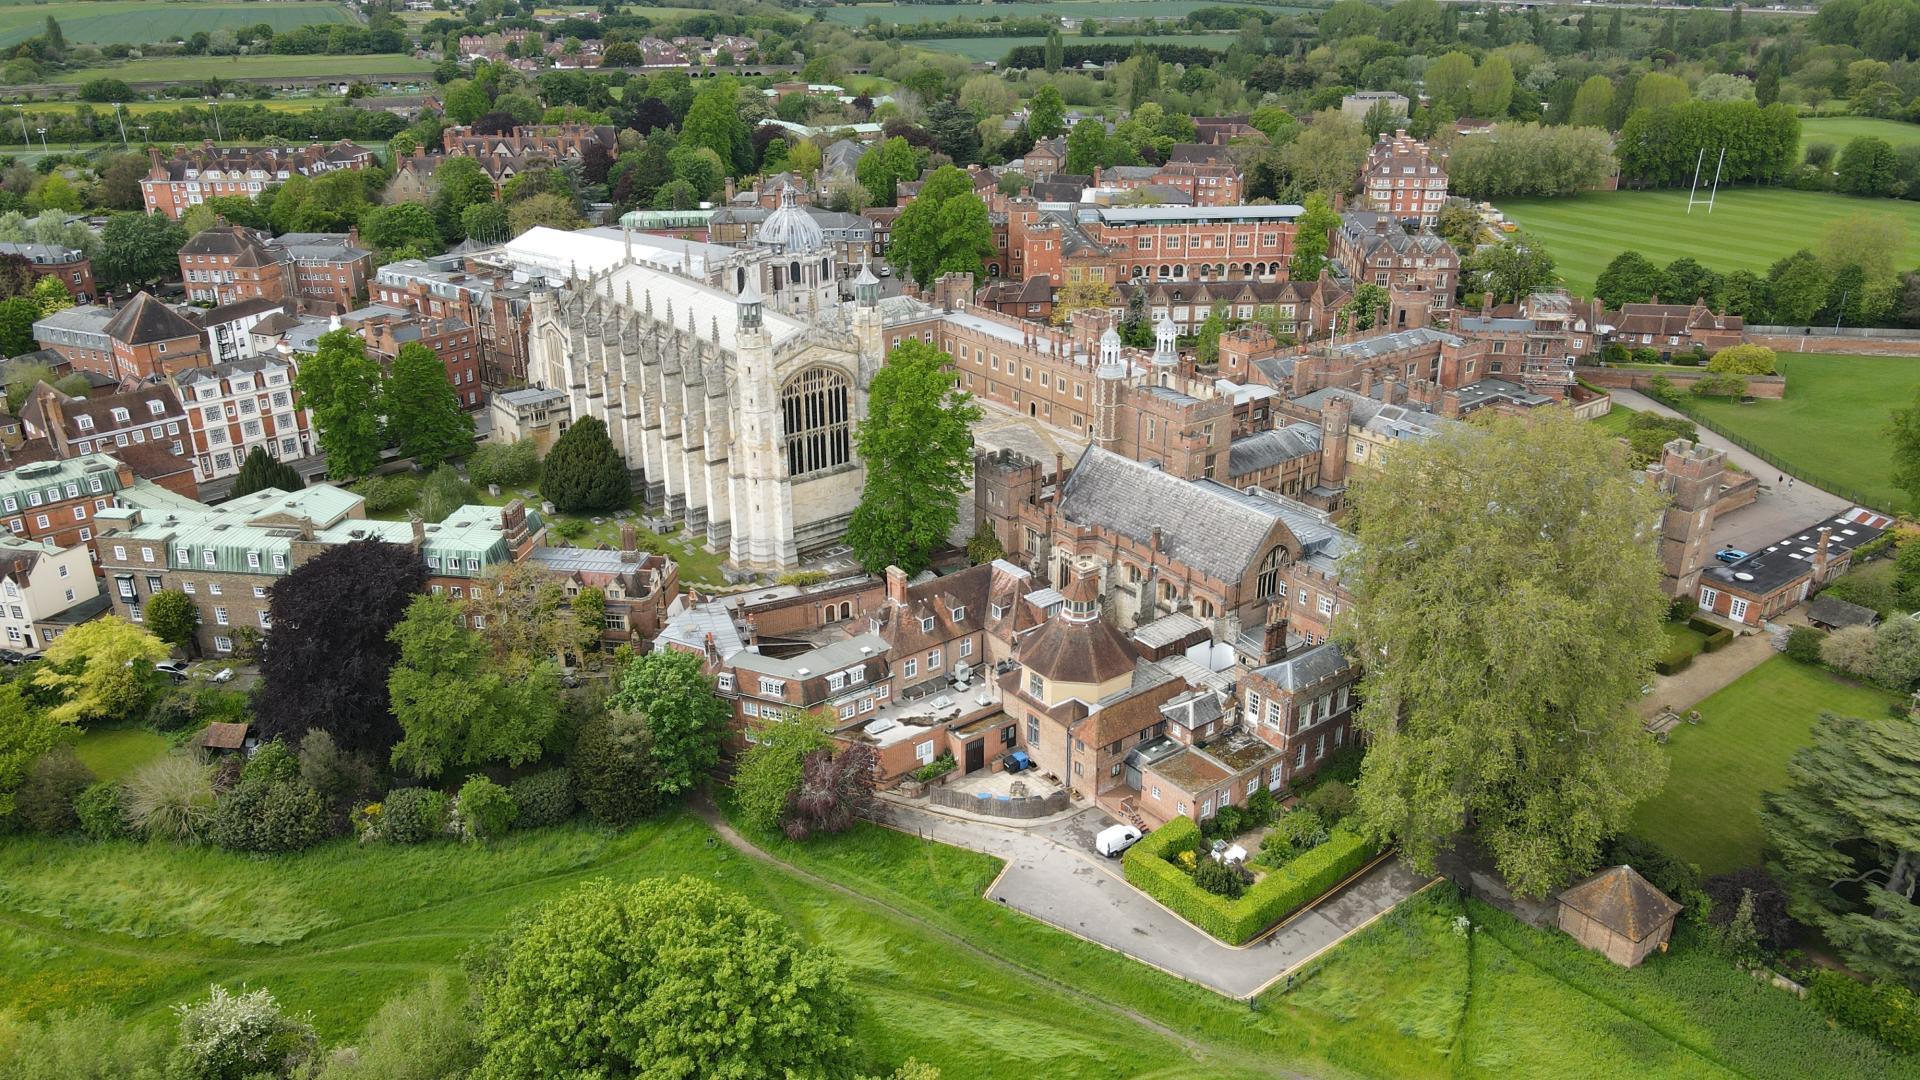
(1820, 557)
(629, 541)
(896, 586)
(1273, 643)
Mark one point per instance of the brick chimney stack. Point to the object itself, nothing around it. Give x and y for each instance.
(1820, 556)
(896, 586)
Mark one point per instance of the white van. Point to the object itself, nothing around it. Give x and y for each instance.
(1114, 840)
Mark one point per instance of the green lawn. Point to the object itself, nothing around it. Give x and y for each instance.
(943, 975)
(241, 67)
(1827, 430)
(1839, 130)
(1749, 229)
(142, 108)
(143, 22)
(996, 48)
(1718, 769)
(912, 14)
(1615, 420)
(114, 752)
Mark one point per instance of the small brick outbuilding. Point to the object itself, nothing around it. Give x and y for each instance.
(1618, 914)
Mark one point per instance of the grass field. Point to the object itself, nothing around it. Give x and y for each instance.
(911, 14)
(141, 108)
(943, 975)
(183, 68)
(1827, 396)
(142, 22)
(1838, 130)
(996, 48)
(1615, 420)
(114, 752)
(1749, 229)
(1708, 812)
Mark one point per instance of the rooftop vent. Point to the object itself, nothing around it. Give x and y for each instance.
(1743, 576)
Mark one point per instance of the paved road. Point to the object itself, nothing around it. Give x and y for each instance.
(1778, 511)
(1053, 876)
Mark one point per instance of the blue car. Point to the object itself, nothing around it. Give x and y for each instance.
(1730, 555)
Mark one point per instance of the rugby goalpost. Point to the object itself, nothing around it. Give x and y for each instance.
(1713, 192)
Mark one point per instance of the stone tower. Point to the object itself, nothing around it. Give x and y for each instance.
(1335, 415)
(1109, 377)
(1691, 477)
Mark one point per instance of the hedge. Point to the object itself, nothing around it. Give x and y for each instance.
(1274, 897)
(1718, 637)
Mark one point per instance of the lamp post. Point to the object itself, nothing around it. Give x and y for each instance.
(122, 120)
(214, 104)
(21, 112)
(43, 140)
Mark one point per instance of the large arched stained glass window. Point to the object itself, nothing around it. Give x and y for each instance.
(1269, 581)
(817, 418)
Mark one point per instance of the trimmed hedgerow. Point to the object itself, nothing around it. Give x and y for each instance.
(1275, 896)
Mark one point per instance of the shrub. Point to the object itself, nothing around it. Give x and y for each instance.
(1260, 808)
(1276, 850)
(340, 777)
(1718, 386)
(444, 491)
(82, 1046)
(1679, 880)
(545, 798)
(1773, 927)
(1332, 800)
(171, 799)
(1682, 608)
(569, 528)
(1220, 879)
(176, 710)
(1883, 1010)
(44, 800)
(412, 815)
(102, 810)
(1718, 637)
(388, 493)
(1302, 828)
(801, 578)
(1850, 650)
(935, 769)
(1803, 644)
(1646, 354)
(230, 1036)
(504, 463)
(271, 809)
(1743, 360)
(1279, 894)
(486, 810)
(1223, 825)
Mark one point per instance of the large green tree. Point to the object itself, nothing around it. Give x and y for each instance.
(1311, 238)
(139, 249)
(1846, 833)
(459, 183)
(1508, 604)
(100, 670)
(917, 444)
(1798, 286)
(1046, 113)
(683, 714)
(424, 417)
(454, 707)
(1513, 268)
(341, 385)
(1631, 278)
(944, 230)
(1903, 436)
(25, 734)
(884, 168)
(17, 316)
(661, 978)
(584, 471)
(769, 771)
(172, 616)
(714, 121)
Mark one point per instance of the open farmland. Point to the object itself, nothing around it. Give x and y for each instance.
(996, 48)
(186, 68)
(143, 22)
(911, 14)
(1839, 130)
(1749, 229)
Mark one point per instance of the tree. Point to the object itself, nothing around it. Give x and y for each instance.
(1529, 159)
(769, 771)
(401, 226)
(1631, 278)
(1537, 748)
(882, 169)
(673, 971)
(50, 295)
(530, 621)
(341, 385)
(612, 768)
(17, 316)
(1449, 82)
(139, 249)
(485, 223)
(25, 735)
(683, 716)
(1327, 155)
(584, 471)
(326, 663)
(1592, 102)
(944, 230)
(100, 670)
(21, 379)
(453, 708)
(1867, 167)
(458, 183)
(239, 1037)
(917, 445)
(1311, 238)
(548, 209)
(1086, 147)
(984, 546)
(1493, 87)
(1081, 296)
(422, 1034)
(714, 121)
(1046, 113)
(835, 790)
(173, 618)
(1512, 269)
(1743, 360)
(424, 417)
(260, 470)
(1846, 831)
(1903, 432)
(271, 810)
(1798, 287)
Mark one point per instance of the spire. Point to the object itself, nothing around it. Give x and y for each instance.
(1165, 349)
(866, 287)
(749, 303)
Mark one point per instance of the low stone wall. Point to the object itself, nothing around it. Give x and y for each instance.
(1029, 806)
(1618, 378)
(1827, 341)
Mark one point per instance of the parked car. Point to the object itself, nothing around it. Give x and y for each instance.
(175, 668)
(1730, 555)
(1114, 840)
(885, 270)
(9, 656)
(225, 674)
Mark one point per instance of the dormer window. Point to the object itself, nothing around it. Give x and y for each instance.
(120, 416)
(959, 613)
(996, 611)
(926, 624)
(156, 407)
(84, 423)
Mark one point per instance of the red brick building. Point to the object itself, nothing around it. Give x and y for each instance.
(1372, 247)
(456, 343)
(230, 263)
(1152, 243)
(1404, 179)
(1767, 582)
(58, 500)
(234, 407)
(150, 339)
(193, 175)
(557, 142)
(70, 265)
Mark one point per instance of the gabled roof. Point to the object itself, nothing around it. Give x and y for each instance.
(1833, 611)
(1302, 669)
(1622, 901)
(1205, 525)
(145, 320)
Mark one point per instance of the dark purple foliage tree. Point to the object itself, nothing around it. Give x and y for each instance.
(834, 791)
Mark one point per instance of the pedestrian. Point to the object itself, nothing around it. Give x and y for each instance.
(1782, 479)
(1789, 483)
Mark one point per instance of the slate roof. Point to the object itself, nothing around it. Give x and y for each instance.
(1193, 709)
(1077, 651)
(1835, 612)
(145, 320)
(1266, 449)
(1305, 668)
(1621, 900)
(245, 246)
(1205, 525)
(1791, 557)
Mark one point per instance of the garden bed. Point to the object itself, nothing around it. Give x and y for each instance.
(1277, 894)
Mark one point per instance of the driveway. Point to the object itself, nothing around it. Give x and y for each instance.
(1778, 511)
(1053, 875)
